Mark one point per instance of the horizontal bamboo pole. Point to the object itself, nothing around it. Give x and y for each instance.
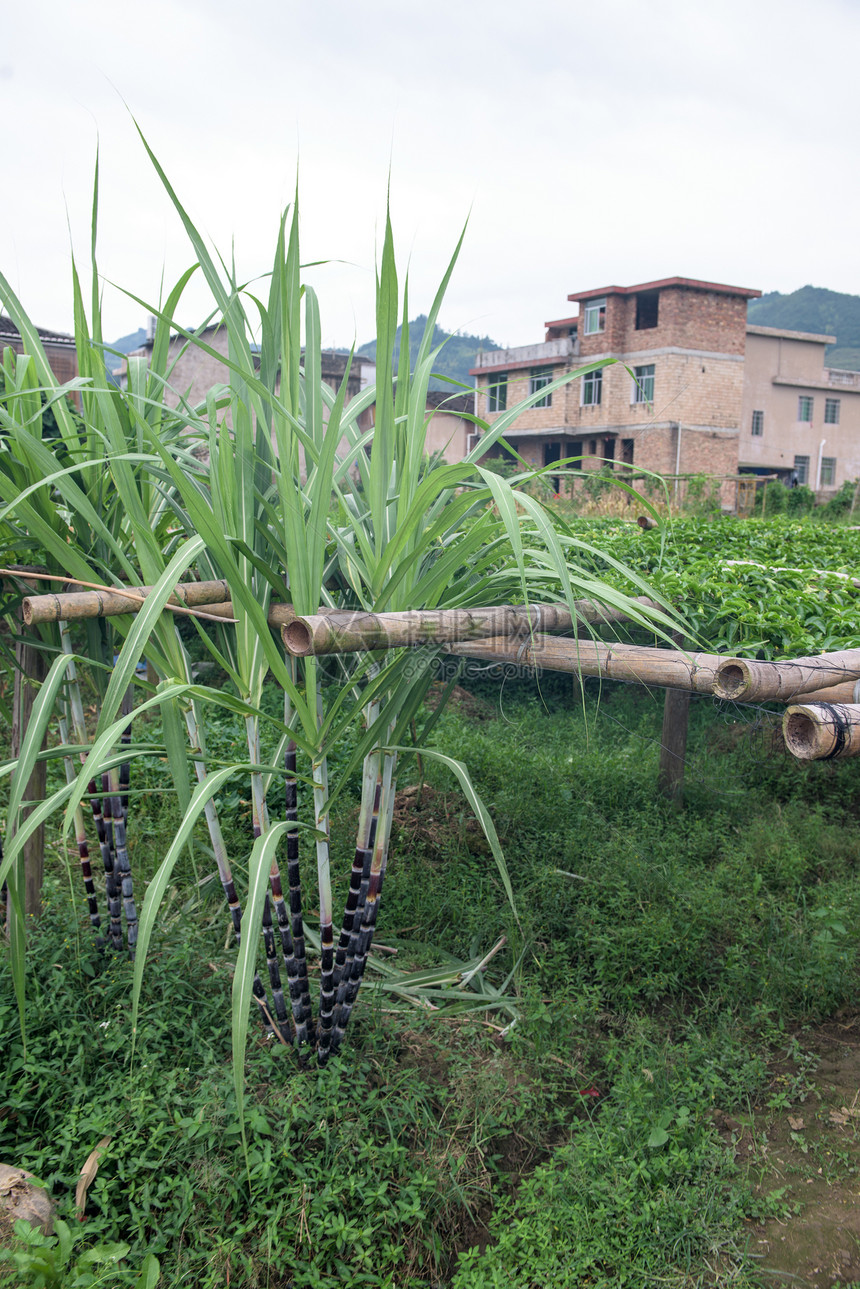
(76, 605)
(352, 631)
(748, 681)
(822, 731)
(642, 665)
(847, 692)
(279, 615)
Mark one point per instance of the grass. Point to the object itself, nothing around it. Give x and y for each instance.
(666, 959)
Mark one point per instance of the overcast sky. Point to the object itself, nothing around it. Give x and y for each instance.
(587, 143)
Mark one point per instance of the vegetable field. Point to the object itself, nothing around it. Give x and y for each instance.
(768, 589)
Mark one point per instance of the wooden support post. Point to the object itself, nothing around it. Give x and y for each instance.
(673, 740)
(29, 673)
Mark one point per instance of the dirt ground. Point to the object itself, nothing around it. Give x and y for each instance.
(807, 1146)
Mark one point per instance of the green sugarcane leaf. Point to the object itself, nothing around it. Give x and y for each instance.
(100, 752)
(259, 866)
(40, 716)
(275, 582)
(144, 624)
(481, 813)
(155, 891)
(46, 808)
(176, 746)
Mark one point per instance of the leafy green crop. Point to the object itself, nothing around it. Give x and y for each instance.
(757, 588)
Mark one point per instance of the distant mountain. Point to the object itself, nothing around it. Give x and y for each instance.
(126, 345)
(812, 308)
(456, 358)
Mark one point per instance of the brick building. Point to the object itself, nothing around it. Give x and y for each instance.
(193, 371)
(58, 346)
(800, 419)
(671, 402)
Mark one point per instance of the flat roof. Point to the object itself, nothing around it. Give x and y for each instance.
(563, 322)
(780, 334)
(687, 283)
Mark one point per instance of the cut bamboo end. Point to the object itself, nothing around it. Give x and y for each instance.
(732, 679)
(750, 681)
(822, 731)
(298, 639)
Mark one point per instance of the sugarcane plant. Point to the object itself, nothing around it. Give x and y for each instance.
(298, 504)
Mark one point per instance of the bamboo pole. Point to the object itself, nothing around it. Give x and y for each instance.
(76, 605)
(822, 731)
(348, 631)
(749, 681)
(847, 692)
(673, 740)
(667, 668)
(332, 630)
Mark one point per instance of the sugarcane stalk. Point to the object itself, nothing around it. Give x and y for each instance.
(79, 726)
(297, 964)
(122, 865)
(360, 873)
(261, 824)
(213, 823)
(83, 844)
(219, 848)
(112, 882)
(371, 791)
(370, 910)
(125, 740)
(319, 778)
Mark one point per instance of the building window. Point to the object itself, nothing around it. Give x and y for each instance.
(595, 317)
(592, 389)
(497, 393)
(804, 407)
(573, 448)
(647, 309)
(757, 428)
(831, 411)
(609, 450)
(801, 469)
(537, 380)
(627, 451)
(828, 472)
(643, 384)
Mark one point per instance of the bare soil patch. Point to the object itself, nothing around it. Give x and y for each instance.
(808, 1148)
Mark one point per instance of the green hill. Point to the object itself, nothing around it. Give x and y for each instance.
(812, 308)
(125, 345)
(455, 359)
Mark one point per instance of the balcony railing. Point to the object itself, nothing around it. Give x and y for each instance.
(838, 376)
